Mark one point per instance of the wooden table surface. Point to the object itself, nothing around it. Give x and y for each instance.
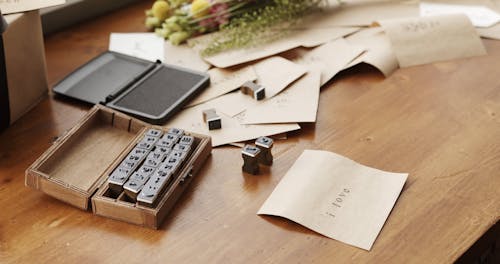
(438, 122)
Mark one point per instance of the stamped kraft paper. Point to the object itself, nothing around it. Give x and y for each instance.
(417, 41)
(336, 197)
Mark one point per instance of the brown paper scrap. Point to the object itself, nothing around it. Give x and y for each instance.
(378, 54)
(276, 73)
(329, 58)
(223, 81)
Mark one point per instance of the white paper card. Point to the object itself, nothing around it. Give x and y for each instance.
(336, 197)
(17, 6)
(480, 16)
(147, 46)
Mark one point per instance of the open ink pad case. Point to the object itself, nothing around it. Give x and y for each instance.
(150, 91)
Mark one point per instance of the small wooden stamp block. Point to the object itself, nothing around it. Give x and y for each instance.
(212, 119)
(257, 91)
(265, 144)
(251, 155)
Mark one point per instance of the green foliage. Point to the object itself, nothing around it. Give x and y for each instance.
(261, 22)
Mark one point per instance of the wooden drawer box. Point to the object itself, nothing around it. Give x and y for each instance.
(75, 169)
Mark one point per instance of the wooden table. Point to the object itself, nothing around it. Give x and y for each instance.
(439, 122)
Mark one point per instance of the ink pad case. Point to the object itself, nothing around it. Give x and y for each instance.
(150, 91)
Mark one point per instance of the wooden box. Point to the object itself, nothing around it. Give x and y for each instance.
(76, 167)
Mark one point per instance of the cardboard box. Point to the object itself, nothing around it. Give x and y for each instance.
(76, 168)
(25, 67)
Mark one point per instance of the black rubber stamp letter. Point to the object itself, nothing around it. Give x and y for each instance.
(251, 157)
(265, 144)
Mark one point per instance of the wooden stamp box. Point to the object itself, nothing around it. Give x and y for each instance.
(76, 167)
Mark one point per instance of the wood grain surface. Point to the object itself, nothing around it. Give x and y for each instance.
(438, 122)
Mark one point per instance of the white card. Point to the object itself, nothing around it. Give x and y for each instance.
(480, 16)
(17, 6)
(336, 197)
(147, 46)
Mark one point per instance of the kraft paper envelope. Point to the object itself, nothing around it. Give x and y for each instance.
(329, 58)
(16, 6)
(276, 73)
(191, 119)
(235, 103)
(223, 81)
(359, 13)
(336, 197)
(146, 46)
(184, 56)
(430, 39)
(378, 53)
(294, 39)
(298, 103)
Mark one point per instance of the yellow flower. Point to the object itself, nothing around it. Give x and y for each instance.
(177, 38)
(200, 8)
(160, 9)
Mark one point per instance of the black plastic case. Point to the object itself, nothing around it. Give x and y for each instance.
(150, 91)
